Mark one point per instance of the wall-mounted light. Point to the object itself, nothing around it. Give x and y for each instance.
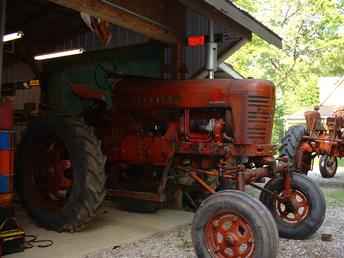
(60, 54)
(13, 36)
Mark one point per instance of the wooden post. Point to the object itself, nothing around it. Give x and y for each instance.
(175, 9)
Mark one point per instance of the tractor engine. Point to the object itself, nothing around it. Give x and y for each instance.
(179, 125)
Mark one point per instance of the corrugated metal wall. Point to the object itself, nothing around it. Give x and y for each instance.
(89, 41)
(21, 72)
(194, 57)
(16, 72)
(197, 24)
(120, 37)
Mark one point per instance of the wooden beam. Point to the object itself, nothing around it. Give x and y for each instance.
(155, 9)
(121, 17)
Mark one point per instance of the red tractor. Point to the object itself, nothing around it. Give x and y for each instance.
(302, 144)
(195, 143)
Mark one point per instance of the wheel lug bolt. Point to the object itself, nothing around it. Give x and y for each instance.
(230, 241)
(216, 224)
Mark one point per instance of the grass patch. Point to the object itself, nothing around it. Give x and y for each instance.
(334, 196)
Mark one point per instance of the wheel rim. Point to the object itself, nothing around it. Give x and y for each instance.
(229, 235)
(330, 165)
(293, 209)
(52, 174)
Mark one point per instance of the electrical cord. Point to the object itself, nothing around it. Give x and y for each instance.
(31, 241)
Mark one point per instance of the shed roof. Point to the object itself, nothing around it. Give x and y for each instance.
(217, 9)
(39, 18)
(48, 25)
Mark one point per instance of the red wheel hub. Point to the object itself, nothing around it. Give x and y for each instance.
(58, 167)
(294, 208)
(229, 235)
(52, 173)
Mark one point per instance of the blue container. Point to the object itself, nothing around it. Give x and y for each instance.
(4, 184)
(5, 140)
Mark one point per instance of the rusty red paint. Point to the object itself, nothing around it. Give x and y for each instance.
(57, 167)
(293, 208)
(202, 183)
(251, 102)
(205, 121)
(83, 91)
(6, 114)
(229, 235)
(321, 139)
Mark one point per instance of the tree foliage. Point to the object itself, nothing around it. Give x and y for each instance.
(313, 46)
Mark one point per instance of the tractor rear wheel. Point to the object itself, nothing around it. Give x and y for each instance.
(290, 146)
(60, 173)
(328, 166)
(302, 212)
(233, 224)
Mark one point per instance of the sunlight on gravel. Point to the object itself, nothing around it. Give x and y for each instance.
(177, 243)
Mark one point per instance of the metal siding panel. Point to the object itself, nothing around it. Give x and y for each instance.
(194, 57)
(89, 41)
(197, 24)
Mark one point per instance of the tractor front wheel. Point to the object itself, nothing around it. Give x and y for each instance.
(233, 224)
(328, 166)
(60, 173)
(298, 214)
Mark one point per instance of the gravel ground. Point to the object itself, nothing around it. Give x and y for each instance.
(177, 243)
(337, 181)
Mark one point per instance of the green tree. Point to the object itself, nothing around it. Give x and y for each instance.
(313, 46)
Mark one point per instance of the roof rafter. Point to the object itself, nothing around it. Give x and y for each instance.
(122, 17)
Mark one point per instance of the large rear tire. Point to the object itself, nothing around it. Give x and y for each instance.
(233, 224)
(70, 205)
(328, 166)
(290, 147)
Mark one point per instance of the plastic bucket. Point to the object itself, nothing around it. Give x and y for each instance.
(6, 161)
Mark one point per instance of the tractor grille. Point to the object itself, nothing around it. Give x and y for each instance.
(258, 101)
(260, 113)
